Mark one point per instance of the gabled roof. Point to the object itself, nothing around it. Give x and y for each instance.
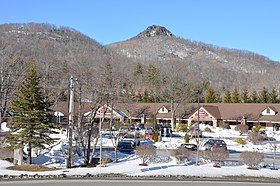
(272, 108)
(225, 111)
(213, 110)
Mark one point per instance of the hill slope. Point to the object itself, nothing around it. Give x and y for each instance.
(198, 61)
(61, 52)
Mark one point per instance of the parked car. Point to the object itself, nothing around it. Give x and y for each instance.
(195, 132)
(189, 146)
(147, 141)
(127, 145)
(214, 143)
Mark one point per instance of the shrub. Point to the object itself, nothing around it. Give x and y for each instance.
(252, 159)
(256, 128)
(145, 152)
(207, 129)
(187, 138)
(182, 127)
(242, 128)
(240, 141)
(216, 155)
(155, 136)
(181, 154)
(255, 138)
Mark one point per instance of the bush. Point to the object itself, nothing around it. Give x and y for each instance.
(240, 141)
(187, 138)
(256, 128)
(181, 154)
(242, 128)
(145, 152)
(182, 127)
(216, 155)
(207, 129)
(255, 138)
(252, 159)
(155, 136)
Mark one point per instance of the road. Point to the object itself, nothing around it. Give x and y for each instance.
(126, 183)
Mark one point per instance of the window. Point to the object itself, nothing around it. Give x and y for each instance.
(268, 111)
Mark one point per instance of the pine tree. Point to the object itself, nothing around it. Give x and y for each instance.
(254, 97)
(152, 76)
(264, 95)
(227, 97)
(273, 96)
(235, 96)
(30, 125)
(245, 98)
(211, 96)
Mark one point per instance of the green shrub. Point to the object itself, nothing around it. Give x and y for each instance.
(187, 138)
(155, 136)
(256, 128)
(207, 129)
(240, 141)
(182, 127)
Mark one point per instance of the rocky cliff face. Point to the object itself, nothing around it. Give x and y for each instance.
(155, 30)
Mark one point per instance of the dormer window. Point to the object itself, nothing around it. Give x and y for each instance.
(162, 109)
(268, 110)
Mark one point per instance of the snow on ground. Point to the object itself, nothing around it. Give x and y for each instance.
(129, 164)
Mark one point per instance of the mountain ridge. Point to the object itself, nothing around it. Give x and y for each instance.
(63, 49)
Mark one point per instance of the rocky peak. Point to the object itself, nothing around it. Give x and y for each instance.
(155, 30)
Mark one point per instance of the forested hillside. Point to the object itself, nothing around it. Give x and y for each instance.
(155, 65)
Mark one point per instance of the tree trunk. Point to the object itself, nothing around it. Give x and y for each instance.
(88, 146)
(29, 161)
(93, 150)
(116, 154)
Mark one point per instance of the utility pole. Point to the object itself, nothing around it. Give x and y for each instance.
(71, 122)
(197, 134)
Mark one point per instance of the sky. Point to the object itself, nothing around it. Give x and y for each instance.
(251, 25)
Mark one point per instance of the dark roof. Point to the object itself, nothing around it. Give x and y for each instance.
(225, 111)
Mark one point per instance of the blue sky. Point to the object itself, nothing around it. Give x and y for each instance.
(252, 25)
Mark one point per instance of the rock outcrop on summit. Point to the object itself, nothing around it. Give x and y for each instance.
(155, 30)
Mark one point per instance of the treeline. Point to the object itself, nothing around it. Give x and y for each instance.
(242, 96)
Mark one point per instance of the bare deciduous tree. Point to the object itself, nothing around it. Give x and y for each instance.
(242, 128)
(255, 138)
(145, 152)
(181, 154)
(216, 155)
(251, 158)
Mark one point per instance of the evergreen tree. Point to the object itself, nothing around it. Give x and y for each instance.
(211, 96)
(235, 96)
(30, 125)
(138, 74)
(245, 98)
(145, 97)
(254, 97)
(227, 97)
(273, 96)
(153, 76)
(138, 70)
(264, 95)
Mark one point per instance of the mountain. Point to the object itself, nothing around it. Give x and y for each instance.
(198, 61)
(58, 51)
(61, 52)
